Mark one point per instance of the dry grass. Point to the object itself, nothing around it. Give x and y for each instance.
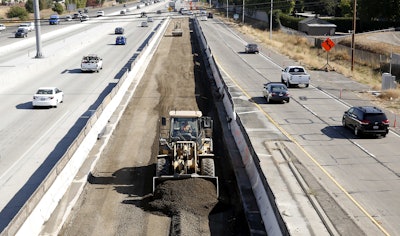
(366, 42)
(299, 49)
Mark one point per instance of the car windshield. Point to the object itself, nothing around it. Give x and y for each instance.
(278, 88)
(375, 117)
(44, 91)
(296, 69)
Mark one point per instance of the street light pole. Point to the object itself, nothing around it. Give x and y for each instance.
(37, 29)
(270, 20)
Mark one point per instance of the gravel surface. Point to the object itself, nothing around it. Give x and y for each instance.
(117, 200)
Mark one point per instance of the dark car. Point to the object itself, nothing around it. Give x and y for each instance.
(120, 40)
(366, 120)
(276, 92)
(21, 33)
(76, 15)
(251, 48)
(210, 15)
(119, 30)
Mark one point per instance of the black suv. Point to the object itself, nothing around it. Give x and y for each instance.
(366, 120)
(21, 33)
(251, 48)
(119, 30)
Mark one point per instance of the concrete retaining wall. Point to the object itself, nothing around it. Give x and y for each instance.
(44, 200)
(272, 220)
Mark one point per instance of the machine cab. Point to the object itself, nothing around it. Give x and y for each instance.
(184, 129)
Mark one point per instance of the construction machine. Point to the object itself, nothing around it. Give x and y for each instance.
(185, 148)
(177, 31)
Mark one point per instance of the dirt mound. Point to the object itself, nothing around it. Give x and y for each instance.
(195, 195)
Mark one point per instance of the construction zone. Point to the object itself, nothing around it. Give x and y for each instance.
(165, 163)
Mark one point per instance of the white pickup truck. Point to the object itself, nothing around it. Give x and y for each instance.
(91, 62)
(27, 25)
(294, 76)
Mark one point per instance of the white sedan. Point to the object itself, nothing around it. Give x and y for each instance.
(47, 96)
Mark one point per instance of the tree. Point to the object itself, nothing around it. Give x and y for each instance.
(286, 6)
(29, 6)
(17, 11)
(58, 7)
(345, 8)
(321, 7)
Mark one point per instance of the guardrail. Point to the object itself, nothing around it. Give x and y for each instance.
(272, 220)
(42, 202)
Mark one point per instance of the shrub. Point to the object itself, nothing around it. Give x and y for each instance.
(58, 7)
(17, 11)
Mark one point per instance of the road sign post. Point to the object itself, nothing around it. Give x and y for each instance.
(328, 44)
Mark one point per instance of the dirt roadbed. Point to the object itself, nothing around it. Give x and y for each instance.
(118, 199)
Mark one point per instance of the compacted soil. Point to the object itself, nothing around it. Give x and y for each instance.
(118, 198)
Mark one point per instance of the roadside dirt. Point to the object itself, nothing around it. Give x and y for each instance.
(117, 200)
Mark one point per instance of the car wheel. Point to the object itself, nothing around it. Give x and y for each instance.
(356, 131)
(288, 100)
(307, 85)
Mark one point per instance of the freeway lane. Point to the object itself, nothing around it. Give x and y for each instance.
(355, 180)
(32, 141)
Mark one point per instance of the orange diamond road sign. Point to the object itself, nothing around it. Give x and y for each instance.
(328, 44)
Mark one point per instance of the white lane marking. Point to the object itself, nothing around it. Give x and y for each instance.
(34, 145)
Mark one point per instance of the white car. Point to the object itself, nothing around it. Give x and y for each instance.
(28, 25)
(100, 13)
(2, 27)
(85, 17)
(150, 19)
(47, 97)
(144, 24)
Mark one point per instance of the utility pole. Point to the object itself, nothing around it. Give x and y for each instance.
(270, 20)
(37, 29)
(243, 13)
(353, 34)
(227, 8)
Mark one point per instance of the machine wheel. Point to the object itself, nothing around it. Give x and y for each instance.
(162, 166)
(207, 167)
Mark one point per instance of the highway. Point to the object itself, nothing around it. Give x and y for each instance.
(33, 140)
(356, 180)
